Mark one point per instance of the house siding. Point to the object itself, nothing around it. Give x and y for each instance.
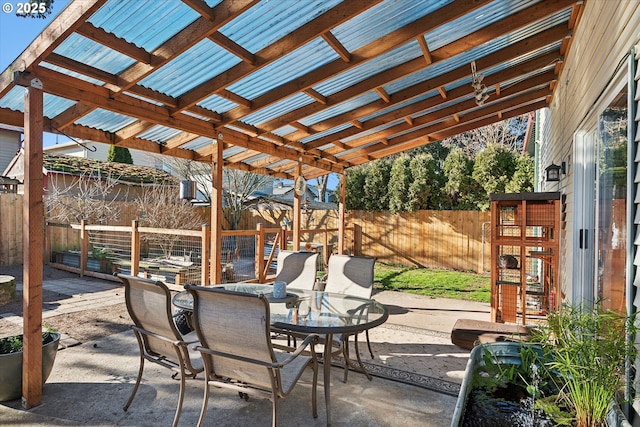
(607, 33)
(9, 146)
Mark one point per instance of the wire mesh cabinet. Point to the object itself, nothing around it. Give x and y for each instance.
(524, 256)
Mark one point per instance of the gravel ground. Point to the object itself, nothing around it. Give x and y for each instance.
(83, 326)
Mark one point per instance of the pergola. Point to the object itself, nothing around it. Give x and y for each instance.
(285, 88)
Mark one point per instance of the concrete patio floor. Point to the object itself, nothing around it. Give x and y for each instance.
(417, 373)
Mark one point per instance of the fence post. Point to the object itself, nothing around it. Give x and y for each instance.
(84, 247)
(205, 262)
(357, 239)
(135, 248)
(325, 247)
(260, 254)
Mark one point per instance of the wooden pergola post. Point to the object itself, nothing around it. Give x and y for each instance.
(33, 231)
(216, 212)
(296, 213)
(343, 193)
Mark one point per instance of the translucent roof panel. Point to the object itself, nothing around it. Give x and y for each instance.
(382, 19)
(307, 58)
(86, 51)
(159, 134)
(145, 23)
(370, 68)
(105, 120)
(269, 21)
(204, 61)
(273, 111)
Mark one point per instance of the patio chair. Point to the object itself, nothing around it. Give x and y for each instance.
(159, 341)
(351, 275)
(234, 332)
(298, 269)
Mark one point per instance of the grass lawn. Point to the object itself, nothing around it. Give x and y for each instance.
(435, 283)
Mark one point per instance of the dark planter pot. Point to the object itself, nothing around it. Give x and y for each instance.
(11, 368)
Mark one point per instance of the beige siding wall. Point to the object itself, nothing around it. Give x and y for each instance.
(607, 32)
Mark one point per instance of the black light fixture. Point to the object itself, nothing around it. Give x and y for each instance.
(553, 172)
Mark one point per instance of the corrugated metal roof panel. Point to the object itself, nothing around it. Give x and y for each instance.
(105, 120)
(340, 108)
(159, 134)
(88, 52)
(286, 105)
(326, 133)
(285, 130)
(271, 20)
(204, 61)
(307, 58)
(52, 105)
(145, 23)
(198, 143)
(370, 68)
(369, 26)
(218, 104)
(72, 73)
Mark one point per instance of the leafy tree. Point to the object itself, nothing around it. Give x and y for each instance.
(460, 190)
(493, 169)
(355, 180)
(376, 196)
(399, 182)
(119, 155)
(424, 189)
(522, 180)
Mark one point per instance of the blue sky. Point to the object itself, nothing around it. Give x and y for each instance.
(17, 33)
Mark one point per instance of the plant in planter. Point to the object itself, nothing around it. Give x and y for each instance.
(589, 349)
(569, 374)
(11, 362)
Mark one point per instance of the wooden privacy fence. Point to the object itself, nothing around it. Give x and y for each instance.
(452, 240)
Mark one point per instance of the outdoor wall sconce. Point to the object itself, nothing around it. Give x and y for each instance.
(553, 172)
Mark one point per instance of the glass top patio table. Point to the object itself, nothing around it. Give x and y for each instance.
(309, 311)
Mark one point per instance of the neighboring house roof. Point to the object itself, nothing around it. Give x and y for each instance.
(121, 171)
(287, 190)
(124, 173)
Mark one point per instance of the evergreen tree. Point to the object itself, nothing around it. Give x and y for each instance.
(493, 169)
(424, 189)
(376, 196)
(461, 191)
(119, 155)
(522, 180)
(354, 198)
(399, 182)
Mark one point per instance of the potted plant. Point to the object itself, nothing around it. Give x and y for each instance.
(11, 362)
(590, 349)
(572, 371)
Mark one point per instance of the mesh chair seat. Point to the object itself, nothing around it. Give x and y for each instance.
(235, 335)
(159, 341)
(351, 275)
